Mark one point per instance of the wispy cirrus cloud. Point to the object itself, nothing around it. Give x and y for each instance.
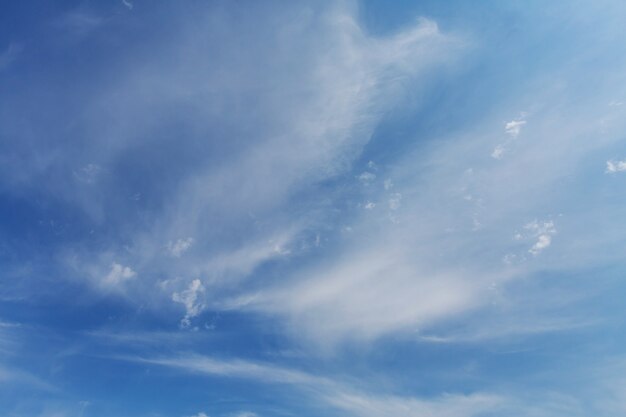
(12, 377)
(332, 393)
(363, 401)
(306, 135)
(320, 180)
(427, 262)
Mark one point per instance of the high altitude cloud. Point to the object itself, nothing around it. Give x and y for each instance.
(334, 393)
(349, 195)
(237, 206)
(424, 264)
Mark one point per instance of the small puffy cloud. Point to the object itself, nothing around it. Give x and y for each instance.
(367, 177)
(118, 274)
(394, 201)
(543, 241)
(514, 127)
(539, 228)
(369, 205)
(498, 151)
(509, 258)
(280, 250)
(615, 166)
(176, 249)
(542, 231)
(88, 174)
(190, 298)
(200, 414)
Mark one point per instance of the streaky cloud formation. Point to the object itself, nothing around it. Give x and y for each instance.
(353, 208)
(333, 393)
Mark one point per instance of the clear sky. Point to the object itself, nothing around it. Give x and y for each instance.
(325, 208)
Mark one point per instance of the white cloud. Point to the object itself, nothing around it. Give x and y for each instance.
(89, 173)
(10, 376)
(615, 166)
(237, 264)
(447, 405)
(372, 283)
(365, 294)
(200, 414)
(191, 298)
(279, 248)
(604, 396)
(128, 4)
(240, 369)
(498, 151)
(514, 127)
(369, 205)
(542, 231)
(512, 315)
(367, 177)
(543, 241)
(318, 132)
(140, 338)
(432, 266)
(328, 105)
(176, 249)
(335, 393)
(118, 275)
(538, 228)
(395, 201)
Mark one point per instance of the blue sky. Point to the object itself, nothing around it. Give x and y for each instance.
(359, 209)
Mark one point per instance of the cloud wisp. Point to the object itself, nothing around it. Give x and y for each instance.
(334, 394)
(312, 208)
